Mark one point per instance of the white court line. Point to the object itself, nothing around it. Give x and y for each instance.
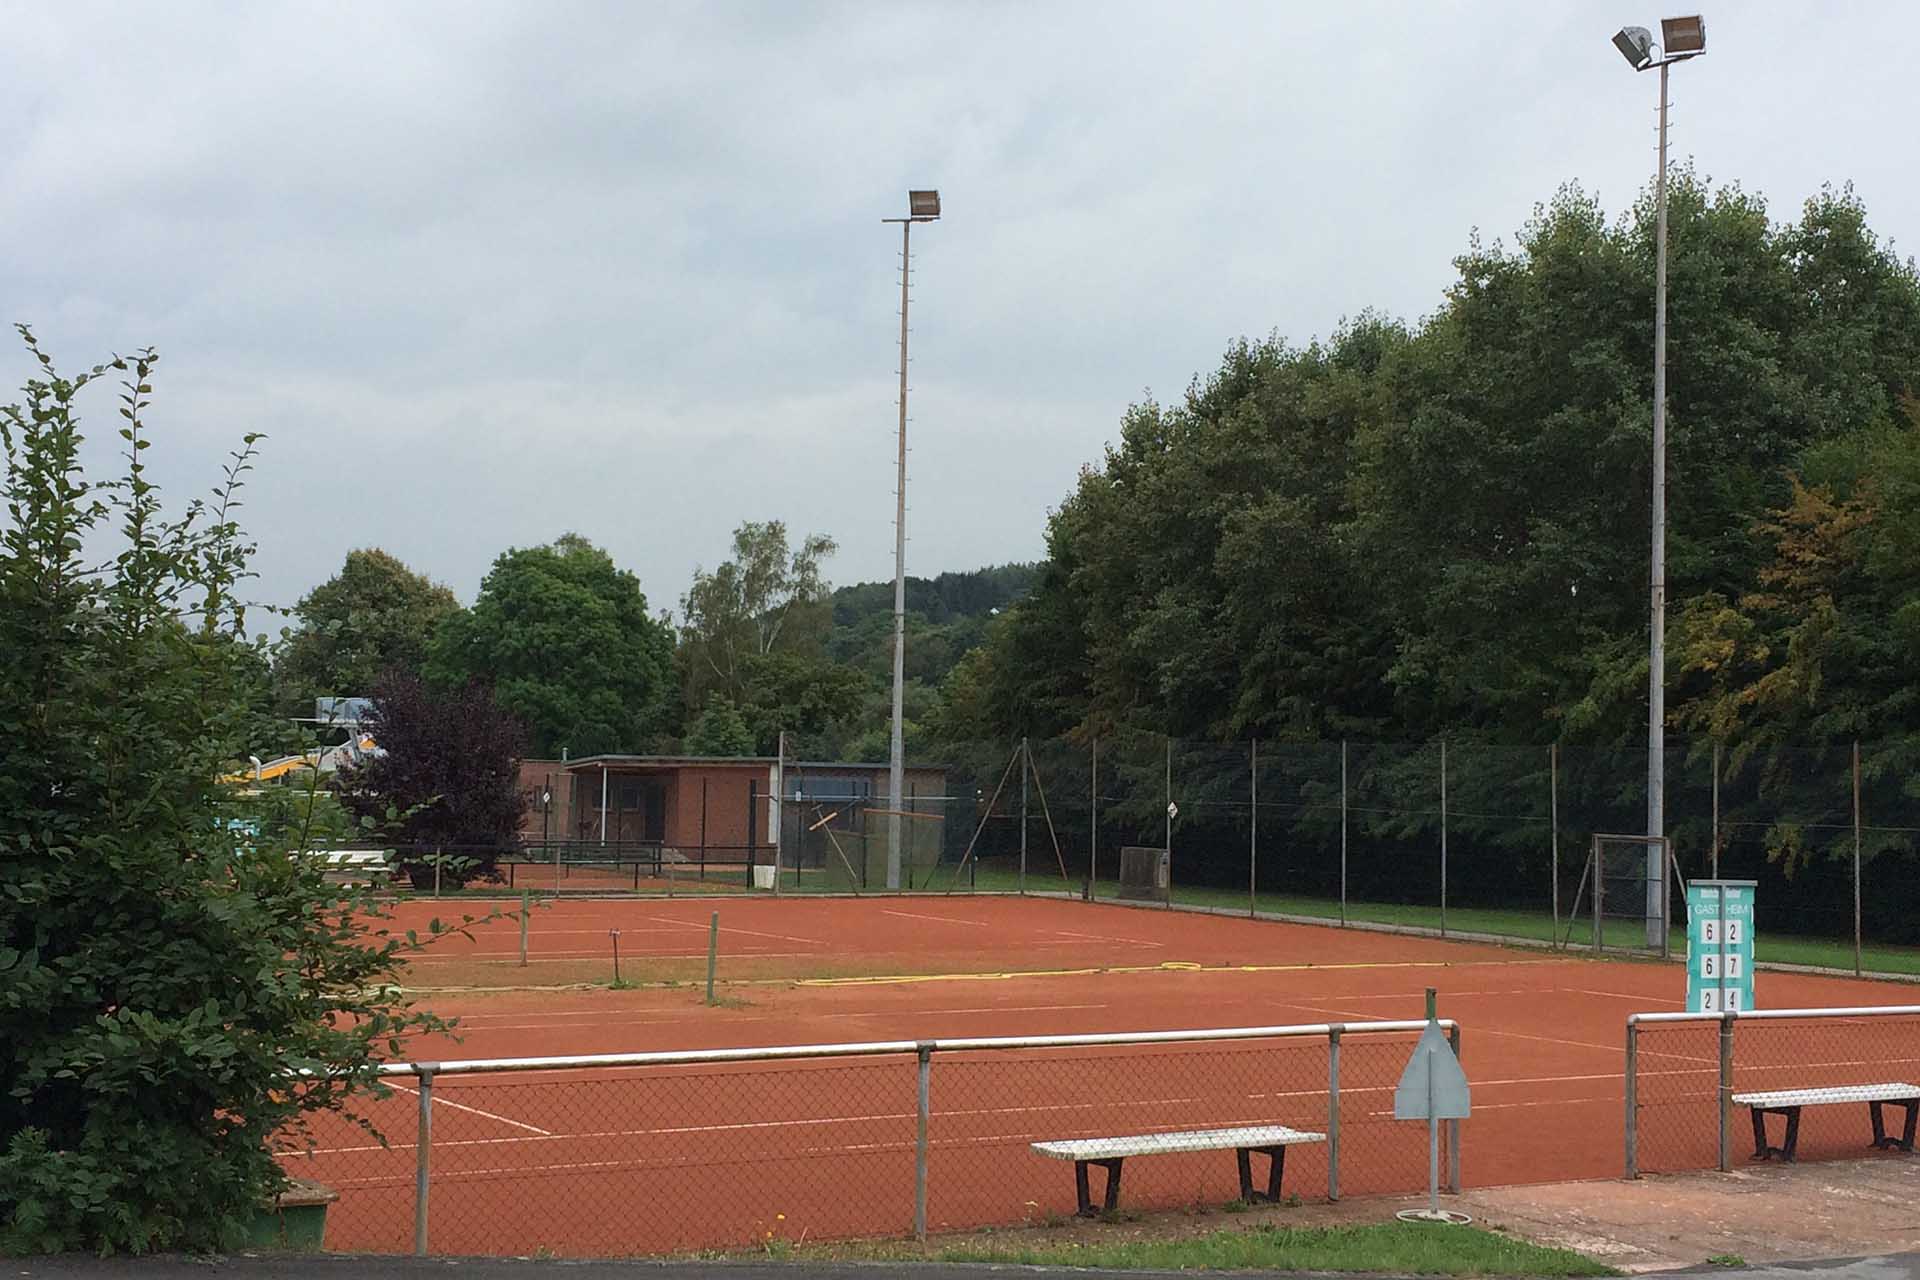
(750, 933)
(914, 915)
(1003, 1008)
(557, 957)
(461, 1106)
(1621, 995)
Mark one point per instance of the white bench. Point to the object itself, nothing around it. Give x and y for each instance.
(1787, 1102)
(1271, 1140)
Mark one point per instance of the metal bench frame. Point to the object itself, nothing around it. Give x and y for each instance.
(1831, 1096)
(1276, 1153)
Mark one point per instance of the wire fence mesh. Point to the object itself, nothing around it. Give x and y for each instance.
(1726, 1090)
(725, 1151)
(1466, 837)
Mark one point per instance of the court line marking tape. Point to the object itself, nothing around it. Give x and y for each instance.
(1165, 966)
(873, 980)
(1101, 937)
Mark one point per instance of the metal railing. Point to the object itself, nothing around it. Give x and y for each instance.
(650, 1152)
(1683, 1070)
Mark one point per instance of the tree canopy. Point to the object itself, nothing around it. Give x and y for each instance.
(448, 770)
(1404, 531)
(563, 637)
(371, 617)
(767, 598)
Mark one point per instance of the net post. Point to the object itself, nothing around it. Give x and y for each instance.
(1333, 1110)
(713, 953)
(1453, 1126)
(923, 1107)
(526, 909)
(1726, 1078)
(423, 1158)
(1633, 1097)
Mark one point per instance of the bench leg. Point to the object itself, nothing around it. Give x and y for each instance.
(1083, 1192)
(1790, 1141)
(1905, 1141)
(1276, 1169)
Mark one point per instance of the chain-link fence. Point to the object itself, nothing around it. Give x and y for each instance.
(1460, 838)
(1717, 1090)
(654, 1153)
(1457, 837)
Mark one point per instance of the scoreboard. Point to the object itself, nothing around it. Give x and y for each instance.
(1719, 945)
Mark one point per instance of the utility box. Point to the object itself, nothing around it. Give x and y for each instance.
(1146, 875)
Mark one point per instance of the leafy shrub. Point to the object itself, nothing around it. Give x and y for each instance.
(165, 960)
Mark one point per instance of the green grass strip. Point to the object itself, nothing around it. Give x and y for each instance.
(1503, 922)
(1404, 1248)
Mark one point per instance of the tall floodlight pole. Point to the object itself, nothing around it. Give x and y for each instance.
(922, 206)
(1680, 39)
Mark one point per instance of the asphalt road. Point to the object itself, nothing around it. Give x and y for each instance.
(1904, 1266)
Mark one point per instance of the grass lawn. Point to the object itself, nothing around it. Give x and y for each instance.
(1537, 926)
(1399, 1248)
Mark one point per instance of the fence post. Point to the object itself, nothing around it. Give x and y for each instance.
(1343, 832)
(925, 1054)
(423, 1153)
(1093, 822)
(1633, 1097)
(1856, 857)
(1716, 810)
(1333, 1111)
(1453, 1126)
(1253, 827)
(1553, 821)
(1443, 837)
(1726, 1080)
(1169, 846)
(1598, 858)
(1026, 765)
(526, 909)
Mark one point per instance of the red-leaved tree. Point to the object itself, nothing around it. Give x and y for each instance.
(444, 783)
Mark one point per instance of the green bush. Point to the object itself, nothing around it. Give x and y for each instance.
(167, 958)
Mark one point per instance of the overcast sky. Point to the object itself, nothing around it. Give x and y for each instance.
(487, 273)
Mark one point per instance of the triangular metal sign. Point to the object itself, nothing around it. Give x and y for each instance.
(1433, 1086)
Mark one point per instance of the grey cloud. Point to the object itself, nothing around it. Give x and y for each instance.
(487, 273)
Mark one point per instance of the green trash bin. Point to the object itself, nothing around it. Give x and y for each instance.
(296, 1220)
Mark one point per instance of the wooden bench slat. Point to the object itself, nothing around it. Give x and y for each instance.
(1834, 1094)
(1146, 1144)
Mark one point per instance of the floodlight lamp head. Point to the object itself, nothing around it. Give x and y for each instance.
(923, 206)
(1636, 46)
(1683, 37)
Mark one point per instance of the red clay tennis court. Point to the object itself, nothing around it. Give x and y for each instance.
(662, 1158)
